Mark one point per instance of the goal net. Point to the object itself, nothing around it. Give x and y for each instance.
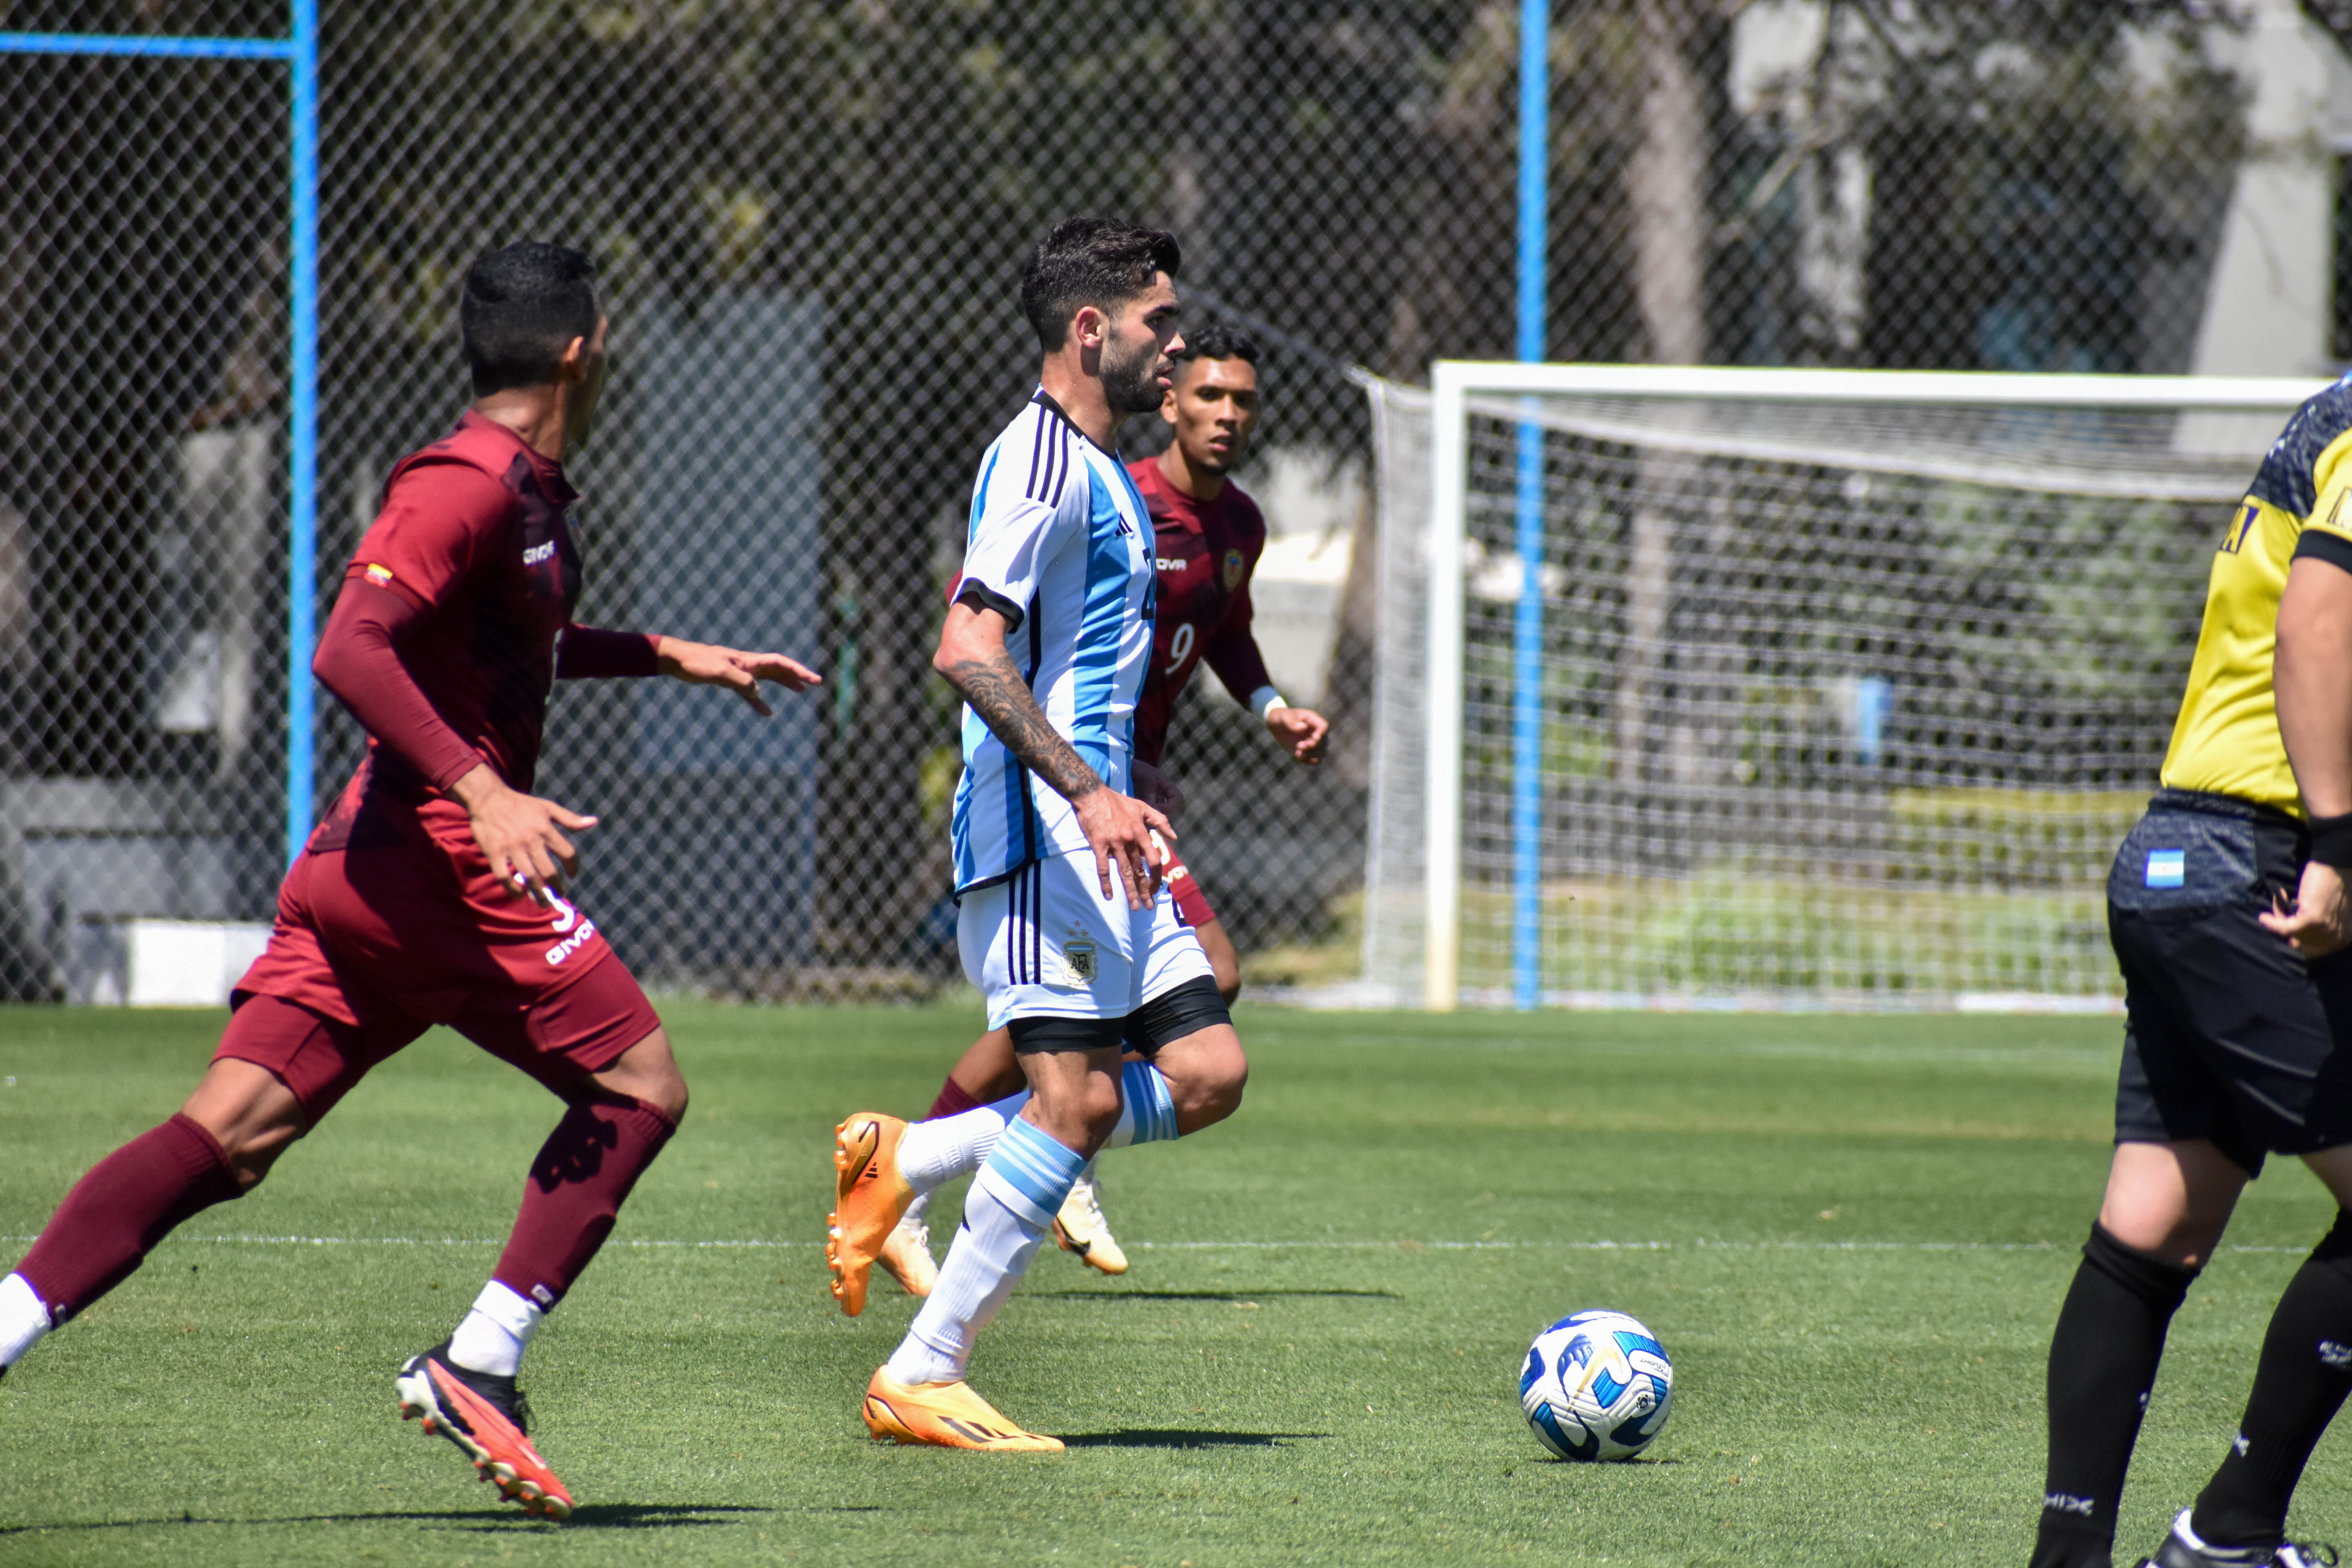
(1780, 688)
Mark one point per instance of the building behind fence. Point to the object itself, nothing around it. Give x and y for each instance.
(809, 218)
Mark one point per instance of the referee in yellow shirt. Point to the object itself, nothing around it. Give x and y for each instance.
(2227, 908)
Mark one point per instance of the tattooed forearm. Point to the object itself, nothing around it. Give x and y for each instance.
(1004, 702)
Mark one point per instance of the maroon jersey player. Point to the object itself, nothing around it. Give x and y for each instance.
(1209, 536)
(433, 892)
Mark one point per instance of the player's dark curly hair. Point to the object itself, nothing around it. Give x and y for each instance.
(1099, 261)
(1217, 341)
(523, 305)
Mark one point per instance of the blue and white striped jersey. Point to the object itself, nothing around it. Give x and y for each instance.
(1060, 545)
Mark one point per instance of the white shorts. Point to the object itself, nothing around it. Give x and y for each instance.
(1046, 944)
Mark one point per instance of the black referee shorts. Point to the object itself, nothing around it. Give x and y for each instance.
(2231, 1036)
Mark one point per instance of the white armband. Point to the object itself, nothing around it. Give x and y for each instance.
(1265, 700)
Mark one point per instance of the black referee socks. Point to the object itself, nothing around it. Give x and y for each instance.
(2300, 1380)
(2102, 1360)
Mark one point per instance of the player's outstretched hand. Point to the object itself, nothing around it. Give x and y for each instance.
(2318, 920)
(1155, 788)
(1120, 827)
(520, 834)
(1301, 731)
(704, 664)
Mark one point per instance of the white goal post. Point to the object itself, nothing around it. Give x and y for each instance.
(1877, 570)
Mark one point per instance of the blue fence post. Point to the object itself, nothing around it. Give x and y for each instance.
(299, 51)
(1527, 664)
(302, 523)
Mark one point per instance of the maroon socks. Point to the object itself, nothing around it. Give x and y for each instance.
(135, 1196)
(129, 1201)
(582, 1174)
(953, 1101)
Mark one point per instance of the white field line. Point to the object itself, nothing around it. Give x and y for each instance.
(1695, 1245)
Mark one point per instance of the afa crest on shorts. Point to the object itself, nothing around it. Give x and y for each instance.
(1078, 960)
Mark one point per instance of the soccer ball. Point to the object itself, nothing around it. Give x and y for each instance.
(1597, 1385)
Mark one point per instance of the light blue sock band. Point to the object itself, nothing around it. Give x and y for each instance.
(1035, 1166)
(1148, 1102)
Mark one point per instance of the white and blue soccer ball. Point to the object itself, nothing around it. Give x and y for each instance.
(1597, 1385)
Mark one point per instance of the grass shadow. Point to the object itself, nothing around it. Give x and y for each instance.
(1211, 1295)
(1179, 1437)
(412, 1515)
(628, 1516)
(594, 1516)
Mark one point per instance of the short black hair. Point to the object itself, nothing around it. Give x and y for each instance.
(1099, 261)
(523, 305)
(1217, 341)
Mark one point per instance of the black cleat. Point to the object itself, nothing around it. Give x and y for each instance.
(2181, 1549)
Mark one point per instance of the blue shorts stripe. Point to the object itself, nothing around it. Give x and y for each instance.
(1025, 919)
(1036, 922)
(1012, 928)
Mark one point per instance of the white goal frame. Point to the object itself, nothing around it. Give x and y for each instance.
(1454, 382)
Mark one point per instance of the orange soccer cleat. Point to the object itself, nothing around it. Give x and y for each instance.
(945, 1416)
(484, 1415)
(870, 1195)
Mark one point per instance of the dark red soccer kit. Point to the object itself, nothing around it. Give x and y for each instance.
(1205, 553)
(444, 645)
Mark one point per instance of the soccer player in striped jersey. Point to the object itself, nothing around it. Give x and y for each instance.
(1208, 536)
(1066, 925)
(2227, 908)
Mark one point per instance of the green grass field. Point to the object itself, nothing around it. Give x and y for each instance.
(1852, 1233)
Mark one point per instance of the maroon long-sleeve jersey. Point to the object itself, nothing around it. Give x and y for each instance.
(1205, 553)
(443, 640)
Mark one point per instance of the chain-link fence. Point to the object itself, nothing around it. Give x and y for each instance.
(809, 218)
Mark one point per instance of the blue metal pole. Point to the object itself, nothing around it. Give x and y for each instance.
(145, 48)
(303, 531)
(1527, 664)
(300, 50)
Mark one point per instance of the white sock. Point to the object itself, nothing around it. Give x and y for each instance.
(23, 1319)
(1019, 1190)
(952, 1146)
(496, 1332)
(917, 1211)
(1147, 1112)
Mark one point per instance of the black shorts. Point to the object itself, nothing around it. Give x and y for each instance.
(2231, 1036)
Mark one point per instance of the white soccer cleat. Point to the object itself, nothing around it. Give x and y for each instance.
(1081, 1229)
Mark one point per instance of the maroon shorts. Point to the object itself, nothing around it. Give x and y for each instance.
(376, 946)
(1192, 904)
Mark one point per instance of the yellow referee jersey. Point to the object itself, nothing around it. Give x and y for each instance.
(2226, 739)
